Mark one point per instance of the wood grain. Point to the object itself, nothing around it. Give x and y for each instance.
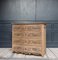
(29, 38)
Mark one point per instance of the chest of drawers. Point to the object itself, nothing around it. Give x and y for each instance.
(29, 38)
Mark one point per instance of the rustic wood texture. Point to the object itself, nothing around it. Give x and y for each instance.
(29, 38)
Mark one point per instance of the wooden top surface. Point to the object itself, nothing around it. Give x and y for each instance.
(29, 23)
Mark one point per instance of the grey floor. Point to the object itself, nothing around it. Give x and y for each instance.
(6, 53)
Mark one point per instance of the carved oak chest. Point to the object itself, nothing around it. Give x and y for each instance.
(29, 38)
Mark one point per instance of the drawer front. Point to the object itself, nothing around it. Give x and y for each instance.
(26, 27)
(28, 49)
(27, 34)
(27, 42)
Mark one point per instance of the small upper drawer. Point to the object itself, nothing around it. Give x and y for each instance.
(26, 27)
